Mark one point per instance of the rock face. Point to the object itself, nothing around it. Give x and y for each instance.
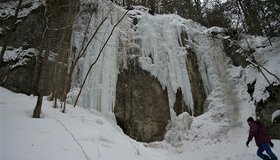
(179, 105)
(141, 107)
(196, 84)
(264, 111)
(26, 34)
(19, 79)
(197, 89)
(35, 31)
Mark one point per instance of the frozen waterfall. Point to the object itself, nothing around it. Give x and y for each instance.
(160, 52)
(158, 38)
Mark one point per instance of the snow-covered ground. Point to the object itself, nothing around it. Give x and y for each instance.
(83, 135)
(86, 134)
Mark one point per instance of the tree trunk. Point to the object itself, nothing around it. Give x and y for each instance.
(37, 109)
(43, 61)
(54, 85)
(56, 40)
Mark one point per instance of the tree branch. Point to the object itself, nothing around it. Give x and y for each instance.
(98, 58)
(258, 66)
(72, 65)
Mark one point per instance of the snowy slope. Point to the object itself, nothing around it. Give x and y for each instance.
(83, 135)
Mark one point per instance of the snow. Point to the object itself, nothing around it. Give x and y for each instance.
(89, 131)
(162, 55)
(8, 9)
(80, 134)
(275, 115)
(158, 43)
(19, 55)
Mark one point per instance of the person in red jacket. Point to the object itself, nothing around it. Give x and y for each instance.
(263, 141)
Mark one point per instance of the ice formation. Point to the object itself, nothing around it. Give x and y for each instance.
(158, 38)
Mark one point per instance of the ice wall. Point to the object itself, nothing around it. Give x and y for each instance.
(157, 43)
(167, 65)
(156, 40)
(98, 92)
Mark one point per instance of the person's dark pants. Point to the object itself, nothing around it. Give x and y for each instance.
(266, 147)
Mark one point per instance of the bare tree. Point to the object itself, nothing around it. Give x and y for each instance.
(260, 17)
(42, 64)
(49, 40)
(252, 60)
(63, 52)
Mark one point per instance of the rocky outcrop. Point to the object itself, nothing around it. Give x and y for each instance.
(197, 89)
(26, 34)
(180, 105)
(42, 29)
(237, 54)
(196, 84)
(18, 79)
(141, 107)
(265, 109)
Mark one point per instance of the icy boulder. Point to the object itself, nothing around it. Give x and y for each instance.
(276, 116)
